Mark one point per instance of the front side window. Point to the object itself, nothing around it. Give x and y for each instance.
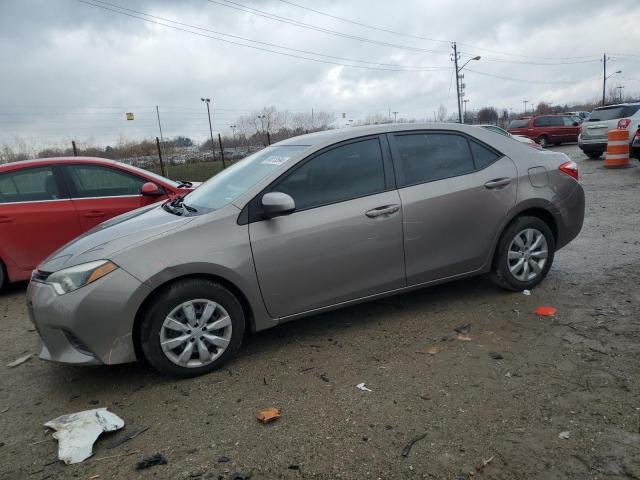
(569, 121)
(28, 185)
(342, 173)
(427, 157)
(92, 181)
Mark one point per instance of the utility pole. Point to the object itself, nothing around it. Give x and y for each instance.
(312, 124)
(75, 149)
(620, 88)
(221, 150)
(456, 57)
(160, 126)
(604, 79)
(395, 117)
(455, 62)
(525, 106)
(465, 101)
(213, 152)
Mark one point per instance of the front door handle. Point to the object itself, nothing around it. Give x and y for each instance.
(386, 210)
(498, 183)
(4, 219)
(94, 214)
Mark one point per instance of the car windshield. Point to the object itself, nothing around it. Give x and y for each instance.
(612, 113)
(229, 184)
(519, 123)
(495, 129)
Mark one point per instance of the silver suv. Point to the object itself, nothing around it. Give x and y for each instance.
(593, 136)
(309, 224)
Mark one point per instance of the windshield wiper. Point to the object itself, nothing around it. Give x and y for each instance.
(184, 184)
(179, 202)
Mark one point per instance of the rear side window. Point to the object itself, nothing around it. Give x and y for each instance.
(29, 185)
(541, 122)
(98, 181)
(340, 174)
(482, 155)
(569, 121)
(522, 123)
(427, 157)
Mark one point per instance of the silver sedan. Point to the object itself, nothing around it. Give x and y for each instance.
(309, 224)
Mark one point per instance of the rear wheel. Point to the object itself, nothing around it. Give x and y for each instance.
(543, 141)
(594, 155)
(192, 328)
(3, 276)
(524, 255)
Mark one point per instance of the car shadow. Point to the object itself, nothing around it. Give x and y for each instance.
(272, 343)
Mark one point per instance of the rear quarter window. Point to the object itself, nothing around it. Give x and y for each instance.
(28, 185)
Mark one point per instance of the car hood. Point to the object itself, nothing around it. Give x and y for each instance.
(115, 235)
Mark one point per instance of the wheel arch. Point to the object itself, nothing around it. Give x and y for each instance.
(247, 310)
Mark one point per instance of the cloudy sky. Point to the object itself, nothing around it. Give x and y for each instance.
(72, 69)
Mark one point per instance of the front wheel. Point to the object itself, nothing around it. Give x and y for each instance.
(524, 255)
(3, 276)
(543, 141)
(594, 155)
(192, 328)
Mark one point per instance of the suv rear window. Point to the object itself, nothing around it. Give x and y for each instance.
(612, 113)
(523, 123)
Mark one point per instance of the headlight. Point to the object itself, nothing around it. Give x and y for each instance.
(70, 279)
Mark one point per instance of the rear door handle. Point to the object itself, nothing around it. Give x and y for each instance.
(94, 214)
(497, 183)
(6, 219)
(386, 210)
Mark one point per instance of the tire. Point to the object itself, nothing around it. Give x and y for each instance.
(557, 144)
(3, 276)
(594, 155)
(204, 297)
(543, 141)
(502, 273)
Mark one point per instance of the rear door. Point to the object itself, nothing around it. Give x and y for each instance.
(455, 194)
(571, 130)
(36, 216)
(100, 192)
(343, 241)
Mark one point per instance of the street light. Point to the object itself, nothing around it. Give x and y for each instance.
(262, 118)
(458, 70)
(465, 101)
(604, 83)
(207, 101)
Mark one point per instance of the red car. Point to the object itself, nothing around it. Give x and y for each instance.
(45, 203)
(546, 129)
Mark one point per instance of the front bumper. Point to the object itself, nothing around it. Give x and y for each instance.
(90, 326)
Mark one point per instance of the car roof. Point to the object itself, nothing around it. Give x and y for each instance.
(604, 107)
(328, 137)
(56, 160)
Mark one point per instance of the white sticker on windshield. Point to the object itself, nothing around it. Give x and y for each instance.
(275, 160)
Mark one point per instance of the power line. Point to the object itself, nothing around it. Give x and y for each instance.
(154, 19)
(279, 18)
(522, 80)
(418, 37)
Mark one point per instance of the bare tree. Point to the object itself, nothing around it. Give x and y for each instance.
(442, 113)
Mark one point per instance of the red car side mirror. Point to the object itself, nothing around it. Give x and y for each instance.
(150, 189)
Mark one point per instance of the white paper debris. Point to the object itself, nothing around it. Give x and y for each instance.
(19, 361)
(77, 432)
(564, 435)
(526, 292)
(363, 387)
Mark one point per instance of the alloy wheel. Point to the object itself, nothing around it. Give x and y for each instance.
(195, 333)
(527, 254)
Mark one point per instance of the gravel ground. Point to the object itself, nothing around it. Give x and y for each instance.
(503, 396)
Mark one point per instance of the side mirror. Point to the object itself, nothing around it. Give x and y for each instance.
(575, 124)
(275, 204)
(150, 189)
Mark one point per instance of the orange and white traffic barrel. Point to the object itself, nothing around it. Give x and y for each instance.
(618, 148)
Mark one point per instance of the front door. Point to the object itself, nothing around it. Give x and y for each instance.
(343, 241)
(100, 192)
(455, 193)
(36, 217)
